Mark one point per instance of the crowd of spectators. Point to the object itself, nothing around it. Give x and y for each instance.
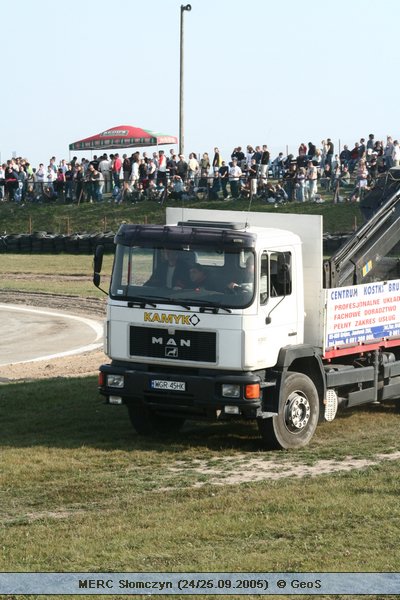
(249, 173)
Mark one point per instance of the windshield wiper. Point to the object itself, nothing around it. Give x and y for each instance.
(169, 299)
(138, 301)
(209, 305)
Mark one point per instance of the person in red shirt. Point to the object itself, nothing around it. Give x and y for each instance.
(116, 169)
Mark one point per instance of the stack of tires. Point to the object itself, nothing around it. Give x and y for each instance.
(42, 242)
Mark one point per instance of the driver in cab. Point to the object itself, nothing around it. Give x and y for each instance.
(245, 278)
(172, 273)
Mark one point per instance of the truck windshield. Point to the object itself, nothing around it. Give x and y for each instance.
(186, 275)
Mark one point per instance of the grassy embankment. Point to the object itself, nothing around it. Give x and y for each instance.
(105, 216)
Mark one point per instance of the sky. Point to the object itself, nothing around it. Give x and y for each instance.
(260, 72)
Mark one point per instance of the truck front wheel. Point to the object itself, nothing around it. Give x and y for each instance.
(297, 418)
(146, 422)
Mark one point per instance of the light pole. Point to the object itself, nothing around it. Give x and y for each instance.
(181, 133)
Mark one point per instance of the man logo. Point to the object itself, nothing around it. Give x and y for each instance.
(171, 352)
(170, 342)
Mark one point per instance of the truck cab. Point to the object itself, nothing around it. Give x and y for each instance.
(198, 314)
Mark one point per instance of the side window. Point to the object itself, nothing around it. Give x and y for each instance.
(281, 273)
(264, 278)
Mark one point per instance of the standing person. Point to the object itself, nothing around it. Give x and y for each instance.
(171, 165)
(51, 176)
(300, 184)
(345, 155)
(311, 150)
(126, 167)
(235, 173)
(2, 174)
(162, 169)
(264, 162)
(22, 184)
(105, 170)
(69, 183)
(59, 183)
(252, 171)
(289, 181)
(312, 179)
(302, 149)
(193, 166)
(151, 170)
(142, 169)
(216, 163)
(134, 175)
(361, 149)
(116, 169)
(204, 165)
(39, 185)
(223, 173)
(371, 142)
(278, 166)
(388, 153)
(249, 156)
(79, 179)
(11, 182)
(330, 150)
(396, 154)
(96, 180)
(182, 168)
(353, 157)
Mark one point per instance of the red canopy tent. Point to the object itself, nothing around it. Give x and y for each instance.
(123, 136)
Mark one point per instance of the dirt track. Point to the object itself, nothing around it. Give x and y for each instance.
(72, 366)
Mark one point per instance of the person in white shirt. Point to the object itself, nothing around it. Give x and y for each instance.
(193, 166)
(396, 153)
(235, 173)
(162, 168)
(105, 170)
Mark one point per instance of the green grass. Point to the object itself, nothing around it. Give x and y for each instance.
(81, 492)
(48, 264)
(105, 216)
(56, 274)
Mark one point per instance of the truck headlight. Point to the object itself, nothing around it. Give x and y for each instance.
(230, 390)
(115, 381)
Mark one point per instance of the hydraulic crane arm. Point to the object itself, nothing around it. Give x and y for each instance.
(364, 256)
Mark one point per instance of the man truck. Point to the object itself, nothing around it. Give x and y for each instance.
(276, 334)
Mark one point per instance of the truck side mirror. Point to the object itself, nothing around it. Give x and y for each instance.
(97, 264)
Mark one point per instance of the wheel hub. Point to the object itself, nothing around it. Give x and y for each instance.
(297, 411)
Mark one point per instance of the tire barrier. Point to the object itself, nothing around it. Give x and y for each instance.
(42, 242)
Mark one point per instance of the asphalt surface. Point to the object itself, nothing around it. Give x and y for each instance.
(28, 334)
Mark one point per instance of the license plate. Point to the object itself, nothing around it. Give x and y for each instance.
(162, 384)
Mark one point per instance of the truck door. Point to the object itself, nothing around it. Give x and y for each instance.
(278, 306)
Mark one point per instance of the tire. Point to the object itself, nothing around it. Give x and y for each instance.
(298, 415)
(148, 423)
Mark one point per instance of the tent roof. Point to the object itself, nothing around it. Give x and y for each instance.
(123, 136)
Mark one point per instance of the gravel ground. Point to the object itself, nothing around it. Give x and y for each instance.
(71, 366)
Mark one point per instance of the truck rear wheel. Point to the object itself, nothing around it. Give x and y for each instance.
(298, 414)
(146, 422)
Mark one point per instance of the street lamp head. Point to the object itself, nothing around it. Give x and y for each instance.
(188, 7)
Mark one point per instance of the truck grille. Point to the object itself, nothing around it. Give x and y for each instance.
(181, 345)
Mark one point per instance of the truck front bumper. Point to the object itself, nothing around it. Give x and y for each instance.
(200, 394)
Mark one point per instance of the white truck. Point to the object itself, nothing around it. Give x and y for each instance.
(256, 335)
